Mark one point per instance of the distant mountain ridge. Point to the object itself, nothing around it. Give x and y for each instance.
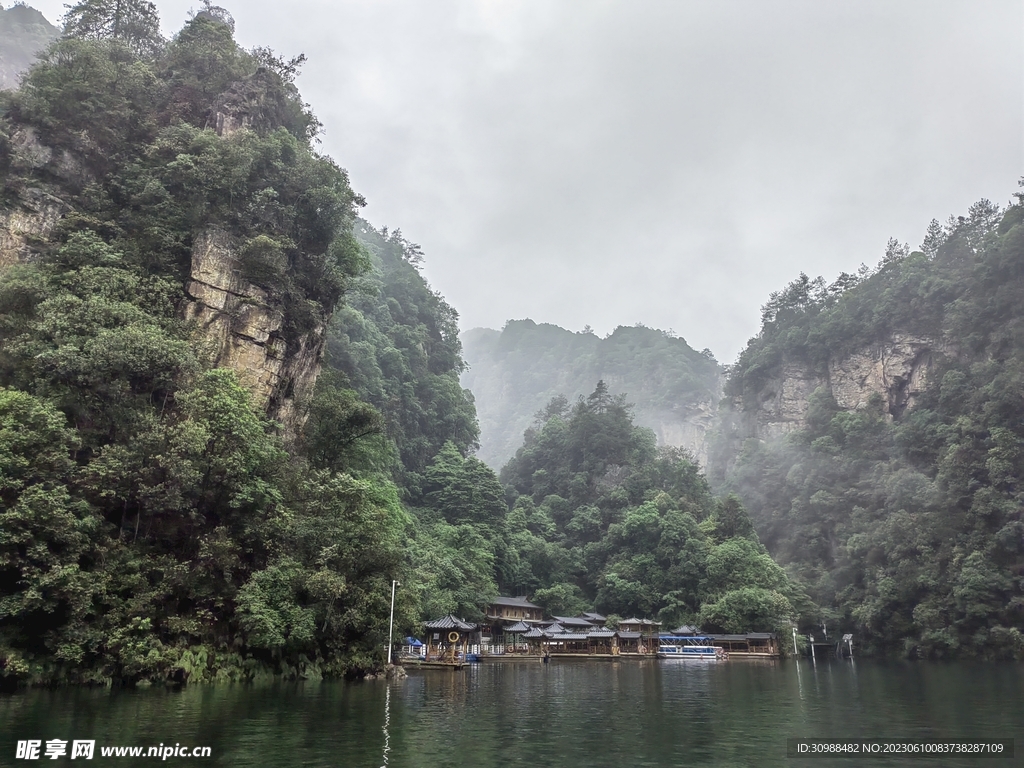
(513, 373)
(24, 32)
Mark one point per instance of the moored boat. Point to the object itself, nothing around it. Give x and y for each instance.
(689, 648)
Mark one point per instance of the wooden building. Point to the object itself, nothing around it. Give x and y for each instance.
(646, 627)
(753, 644)
(513, 609)
(449, 638)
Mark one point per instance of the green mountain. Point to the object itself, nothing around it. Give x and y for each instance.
(514, 372)
(172, 250)
(24, 33)
(604, 517)
(874, 430)
(230, 410)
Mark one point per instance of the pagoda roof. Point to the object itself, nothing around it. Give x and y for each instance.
(450, 622)
(565, 621)
(519, 626)
(593, 617)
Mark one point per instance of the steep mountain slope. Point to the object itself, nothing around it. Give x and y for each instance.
(514, 372)
(172, 248)
(875, 430)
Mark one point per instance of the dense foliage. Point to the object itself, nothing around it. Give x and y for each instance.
(516, 371)
(904, 523)
(391, 400)
(397, 343)
(603, 517)
(152, 524)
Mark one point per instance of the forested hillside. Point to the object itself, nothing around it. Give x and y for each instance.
(876, 434)
(604, 517)
(182, 498)
(231, 412)
(514, 372)
(153, 523)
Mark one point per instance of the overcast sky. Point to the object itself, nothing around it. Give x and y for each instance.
(665, 162)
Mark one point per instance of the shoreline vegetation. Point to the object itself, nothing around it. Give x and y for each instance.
(183, 499)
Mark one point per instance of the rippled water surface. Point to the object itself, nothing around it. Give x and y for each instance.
(572, 714)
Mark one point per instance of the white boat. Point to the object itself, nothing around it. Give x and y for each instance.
(689, 648)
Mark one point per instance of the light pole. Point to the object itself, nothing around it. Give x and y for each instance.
(391, 627)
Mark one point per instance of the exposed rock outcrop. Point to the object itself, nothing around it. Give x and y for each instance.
(782, 403)
(25, 226)
(685, 426)
(244, 325)
(897, 369)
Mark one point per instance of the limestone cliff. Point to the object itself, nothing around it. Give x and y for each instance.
(29, 218)
(688, 426)
(896, 369)
(243, 324)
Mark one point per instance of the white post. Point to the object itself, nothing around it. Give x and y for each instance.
(796, 651)
(391, 628)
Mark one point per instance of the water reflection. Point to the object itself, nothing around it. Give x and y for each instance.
(598, 713)
(387, 722)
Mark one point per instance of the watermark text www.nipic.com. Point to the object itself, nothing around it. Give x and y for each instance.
(54, 749)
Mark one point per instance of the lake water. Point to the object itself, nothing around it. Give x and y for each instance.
(570, 714)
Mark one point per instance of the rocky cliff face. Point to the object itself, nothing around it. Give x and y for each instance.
(897, 369)
(26, 223)
(24, 227)
(244, 327)
(688, 427)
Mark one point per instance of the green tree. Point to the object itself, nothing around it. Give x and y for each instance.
(132, 22)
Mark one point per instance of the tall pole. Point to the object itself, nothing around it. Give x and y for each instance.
(391, 627)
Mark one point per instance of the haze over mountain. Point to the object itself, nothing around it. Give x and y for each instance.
(513, 373)
(24, 32)
(231, 415)
(533, 147)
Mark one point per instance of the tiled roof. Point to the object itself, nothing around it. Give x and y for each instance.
(630, 635)
(601, 634)
(519, 626)
(686, 629)
(569, 622)
(593, 617)
(533, 634)
(569, 636)
(514, 602)
(449, 622)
